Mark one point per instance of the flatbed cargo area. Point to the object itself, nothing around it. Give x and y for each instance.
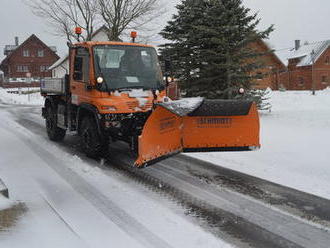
(54, 86)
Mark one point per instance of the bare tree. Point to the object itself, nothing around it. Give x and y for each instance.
(65, 15)
(121, 15)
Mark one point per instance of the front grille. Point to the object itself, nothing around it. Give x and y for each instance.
(134, 105)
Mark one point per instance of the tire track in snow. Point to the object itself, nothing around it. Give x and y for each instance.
(278, 228)
(307, 206)
(281, 224)
(167, 171)
(117, 215)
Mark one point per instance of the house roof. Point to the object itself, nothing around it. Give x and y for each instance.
(33, 36)
(65, 57)
(307, 53)
(100, 29)
(268, 47)
(59, 62)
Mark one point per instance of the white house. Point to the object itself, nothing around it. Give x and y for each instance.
(1, 76)
(61, 66)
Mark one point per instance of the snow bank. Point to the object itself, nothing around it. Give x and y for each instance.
(5, 203)
(11, 98)
(294, 144)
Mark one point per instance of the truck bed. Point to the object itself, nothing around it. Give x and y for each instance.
(54, 86)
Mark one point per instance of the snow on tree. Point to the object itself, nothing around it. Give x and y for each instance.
(209, 47)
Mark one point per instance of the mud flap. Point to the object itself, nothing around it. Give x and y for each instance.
(198, 125)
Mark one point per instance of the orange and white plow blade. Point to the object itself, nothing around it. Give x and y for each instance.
(212, 125)
(221, 133)
(161, 137)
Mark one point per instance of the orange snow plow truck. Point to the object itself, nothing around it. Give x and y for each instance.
(116, 91)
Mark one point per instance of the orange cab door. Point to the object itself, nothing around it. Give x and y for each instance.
(80, 75)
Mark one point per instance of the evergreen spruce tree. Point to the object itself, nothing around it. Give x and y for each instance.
(209, 47)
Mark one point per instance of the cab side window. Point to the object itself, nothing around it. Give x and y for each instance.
(81, 65)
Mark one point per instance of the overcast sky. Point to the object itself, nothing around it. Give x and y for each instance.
(293, 19)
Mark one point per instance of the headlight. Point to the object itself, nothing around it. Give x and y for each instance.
(99, 80)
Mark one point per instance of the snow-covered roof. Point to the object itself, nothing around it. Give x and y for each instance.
(59, 62)
(307, 53)
(64, 58)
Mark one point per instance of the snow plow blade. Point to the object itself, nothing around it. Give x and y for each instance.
(219, 125)
(198, 125)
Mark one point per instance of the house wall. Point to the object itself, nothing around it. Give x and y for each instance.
(301, 78)
(273, 67)
(100, 36)
(33, 62)
(60, 71)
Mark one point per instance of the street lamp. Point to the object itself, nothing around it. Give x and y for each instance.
(313, 61)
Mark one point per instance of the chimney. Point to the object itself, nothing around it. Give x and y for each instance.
(16, 41)
(296, 44)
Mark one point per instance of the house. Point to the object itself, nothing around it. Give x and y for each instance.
(1, 77)
(61, 67)
(27, 62)
(273, 66)
(308, 66)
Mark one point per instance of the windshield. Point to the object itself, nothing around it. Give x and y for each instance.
(127, 67)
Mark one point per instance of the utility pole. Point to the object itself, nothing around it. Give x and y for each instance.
(313, 79)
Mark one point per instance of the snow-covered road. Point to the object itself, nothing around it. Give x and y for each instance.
(72, 203)
(294, 144)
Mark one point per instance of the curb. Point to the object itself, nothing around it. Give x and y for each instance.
(3, 189)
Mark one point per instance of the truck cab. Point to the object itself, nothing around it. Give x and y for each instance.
(111, 88)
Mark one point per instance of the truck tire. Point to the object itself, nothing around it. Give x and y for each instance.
(93, 144)
(54, 132)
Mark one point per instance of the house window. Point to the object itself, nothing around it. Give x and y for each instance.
(26, 53)
(41, 53)
(259, 76)
(324, 79)
(22, 68)
(301, 81)
(327, 60)
(44, 68)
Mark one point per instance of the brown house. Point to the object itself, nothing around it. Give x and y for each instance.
(273, 66)
(308, 66)
(27, 62)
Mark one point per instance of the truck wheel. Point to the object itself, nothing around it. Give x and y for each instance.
(54, 133)
(93, 145)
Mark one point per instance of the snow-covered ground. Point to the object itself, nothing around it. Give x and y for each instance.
(71, 202)
(295, 139)
(11, 98)
(5, 203)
